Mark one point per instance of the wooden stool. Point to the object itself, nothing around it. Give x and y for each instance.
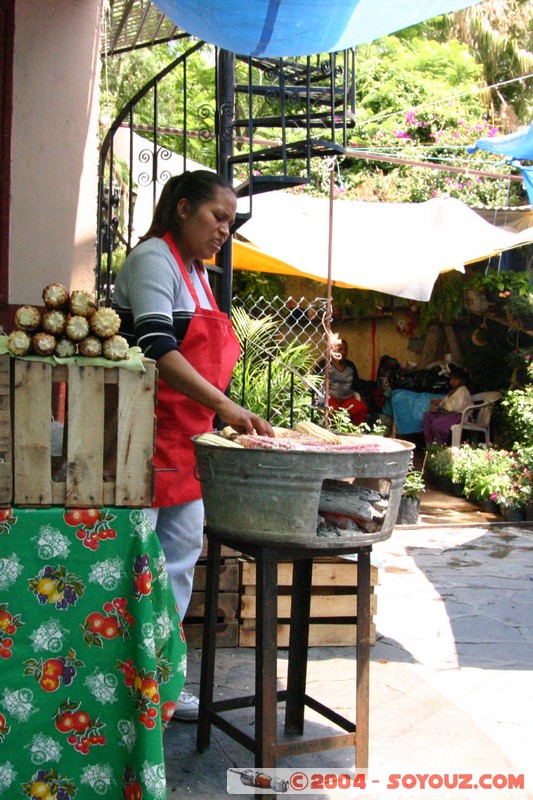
(265, 745)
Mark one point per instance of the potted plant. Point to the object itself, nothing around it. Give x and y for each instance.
(439, 466)
(519, 309)
(410, 499)
(498, 285)
(485, 472)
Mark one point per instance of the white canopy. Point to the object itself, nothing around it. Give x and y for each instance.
(395, 248)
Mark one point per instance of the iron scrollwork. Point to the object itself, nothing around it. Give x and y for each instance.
(160, 176)
(226, 116)
(205, 113)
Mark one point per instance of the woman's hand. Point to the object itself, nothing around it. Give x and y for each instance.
(434, 404)
(242, 420)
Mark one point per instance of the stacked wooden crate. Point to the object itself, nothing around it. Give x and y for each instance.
(333, 619)
(108, 443)
(227, 627)
(6, 467)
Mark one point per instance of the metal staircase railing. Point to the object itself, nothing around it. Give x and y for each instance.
(305, 107)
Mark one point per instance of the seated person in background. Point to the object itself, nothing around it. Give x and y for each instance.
(344, 384)
(447, 412)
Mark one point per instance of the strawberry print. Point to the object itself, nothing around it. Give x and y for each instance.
(132, 788)
(143, 687)
(142, 576)
(48, 784)
(4, 728)
(9, 624)
(7, 520)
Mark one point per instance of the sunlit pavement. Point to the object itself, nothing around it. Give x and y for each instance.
(451, 689)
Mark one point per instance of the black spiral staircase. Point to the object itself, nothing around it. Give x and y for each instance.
(268, 119)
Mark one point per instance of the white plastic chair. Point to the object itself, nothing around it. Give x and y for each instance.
(476, 417)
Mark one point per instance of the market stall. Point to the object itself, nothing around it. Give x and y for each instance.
(92, 646)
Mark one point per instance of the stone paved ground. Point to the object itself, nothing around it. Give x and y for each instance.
(451, 687)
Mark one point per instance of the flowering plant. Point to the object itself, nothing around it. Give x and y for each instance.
(414, 483)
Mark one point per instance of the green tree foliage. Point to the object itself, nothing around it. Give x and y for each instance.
(124, 75)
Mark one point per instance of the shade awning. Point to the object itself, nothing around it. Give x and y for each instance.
(395, 248)
(299, 27)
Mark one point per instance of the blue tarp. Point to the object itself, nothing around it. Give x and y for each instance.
(516, 147)
(408, 409)
(299, 27)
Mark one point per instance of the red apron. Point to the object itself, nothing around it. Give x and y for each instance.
(212, 348)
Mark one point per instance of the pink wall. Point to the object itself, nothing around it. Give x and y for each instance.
(54, 146)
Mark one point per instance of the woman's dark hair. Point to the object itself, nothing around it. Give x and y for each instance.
(457, 372)
(197, 187)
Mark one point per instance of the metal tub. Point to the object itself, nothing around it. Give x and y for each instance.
(274, 495)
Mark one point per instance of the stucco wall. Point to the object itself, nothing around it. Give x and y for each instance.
(54, 146)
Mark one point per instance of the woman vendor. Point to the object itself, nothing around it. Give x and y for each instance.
(167, 308)
(444, 413)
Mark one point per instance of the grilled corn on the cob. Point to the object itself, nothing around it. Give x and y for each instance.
(312, 429)
(216, 440)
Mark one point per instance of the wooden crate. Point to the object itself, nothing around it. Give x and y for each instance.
(6, 467)
(227, 628)
(333, 619)
(108, 441)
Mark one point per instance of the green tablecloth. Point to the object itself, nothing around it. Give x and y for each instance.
(92, 655)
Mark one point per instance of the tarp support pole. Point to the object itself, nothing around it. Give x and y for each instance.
(226, 106)
(329, 309)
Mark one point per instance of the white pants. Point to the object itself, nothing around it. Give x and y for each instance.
(180, 531)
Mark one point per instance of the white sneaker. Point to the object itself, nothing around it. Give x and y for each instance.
(186, 707)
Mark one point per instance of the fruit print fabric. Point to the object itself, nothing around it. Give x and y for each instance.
(92, 654)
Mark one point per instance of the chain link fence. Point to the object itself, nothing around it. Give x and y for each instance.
(283, 340)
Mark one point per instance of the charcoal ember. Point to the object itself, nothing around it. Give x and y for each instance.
(342, 501)
(351, 522)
